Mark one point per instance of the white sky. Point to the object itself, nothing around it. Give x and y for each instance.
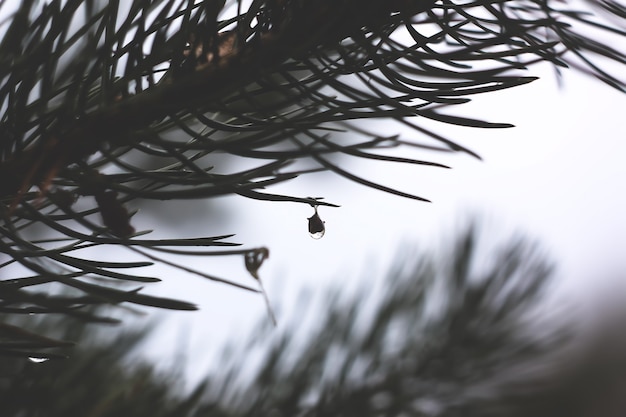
(557, 176)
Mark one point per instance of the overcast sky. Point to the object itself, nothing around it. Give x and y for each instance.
(557, 176)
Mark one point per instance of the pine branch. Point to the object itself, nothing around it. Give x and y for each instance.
(106, 104)
(242, 58)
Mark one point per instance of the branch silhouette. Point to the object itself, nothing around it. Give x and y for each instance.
(105, 104)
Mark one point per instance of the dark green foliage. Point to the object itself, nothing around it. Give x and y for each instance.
(104, 104)
(442, 336)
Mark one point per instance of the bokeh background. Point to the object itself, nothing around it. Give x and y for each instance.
(556, 177)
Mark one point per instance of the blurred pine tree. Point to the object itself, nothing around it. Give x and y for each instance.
(446, 336)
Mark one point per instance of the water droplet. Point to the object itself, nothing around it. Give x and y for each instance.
(317, 235)
(316, 226)
(34, 359)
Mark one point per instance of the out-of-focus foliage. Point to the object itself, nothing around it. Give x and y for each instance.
(447, 335)
(90, 90)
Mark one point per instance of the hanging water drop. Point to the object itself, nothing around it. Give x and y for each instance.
(35, 359)
(316, 225)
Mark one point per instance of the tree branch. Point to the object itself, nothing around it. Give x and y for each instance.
(312, 24)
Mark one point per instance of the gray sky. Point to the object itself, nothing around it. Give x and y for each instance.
(557, 176)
